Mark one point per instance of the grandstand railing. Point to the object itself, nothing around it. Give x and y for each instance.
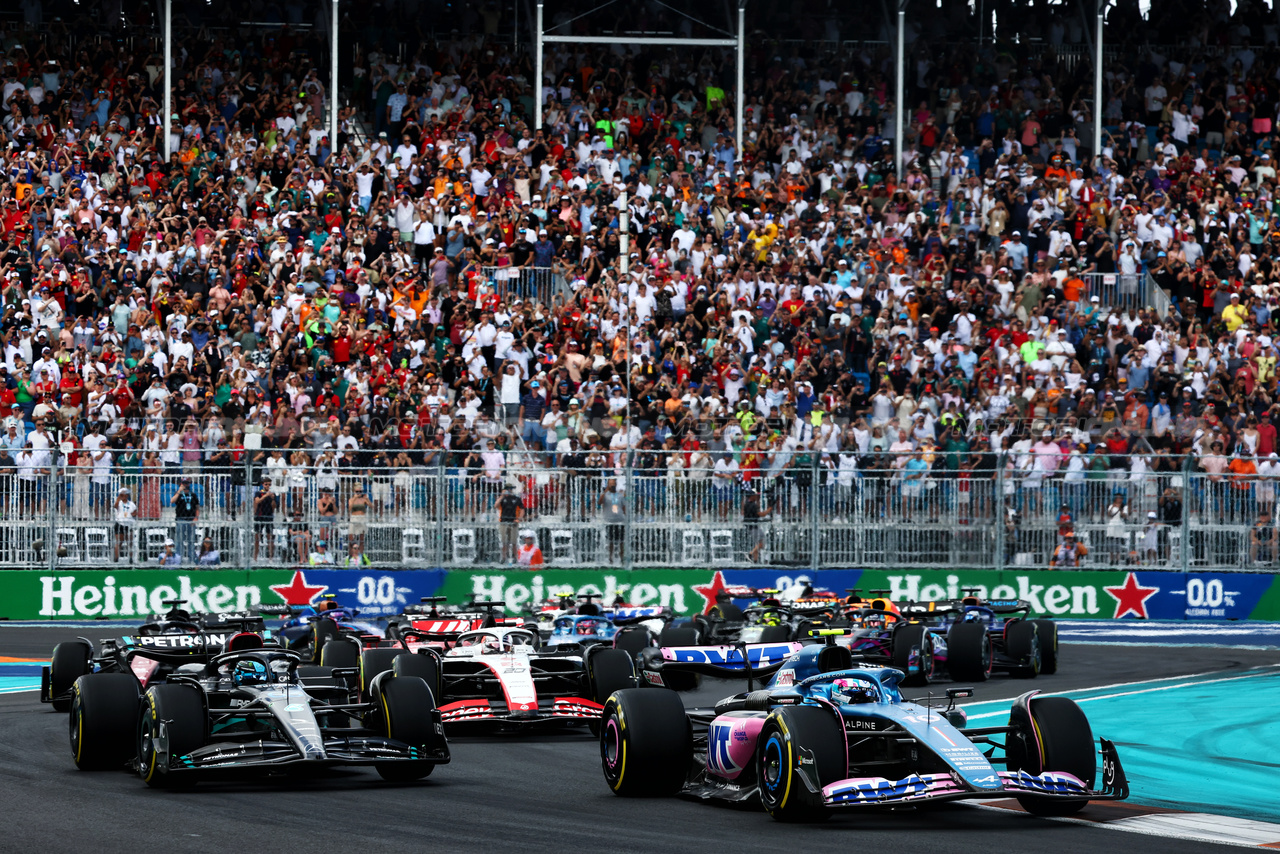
(886, 510)
(532, 284)
(1118, 291)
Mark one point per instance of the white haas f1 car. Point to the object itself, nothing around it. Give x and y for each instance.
(498, 676)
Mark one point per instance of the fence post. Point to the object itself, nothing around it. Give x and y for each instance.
(815, 512)
(51, 516)
(246, 513)
(629, 504)
(998, 506)
(442, 496)
(1186, 515)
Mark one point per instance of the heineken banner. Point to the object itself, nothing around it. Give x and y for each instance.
(1076, 595)
(128, 594)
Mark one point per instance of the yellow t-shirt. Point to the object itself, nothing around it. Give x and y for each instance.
(1234, 315)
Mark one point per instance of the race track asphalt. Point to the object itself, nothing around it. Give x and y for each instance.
(528, 794)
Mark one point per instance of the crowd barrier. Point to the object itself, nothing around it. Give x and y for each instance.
(132, 594)
(897, 510)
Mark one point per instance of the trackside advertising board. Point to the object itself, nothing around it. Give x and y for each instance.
(126, 594)
(130, 593)
(1139, 594)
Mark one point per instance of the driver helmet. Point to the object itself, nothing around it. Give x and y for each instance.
(854, 690)
(491, 644)
(326, 605)
(586, 627)
(249, 671)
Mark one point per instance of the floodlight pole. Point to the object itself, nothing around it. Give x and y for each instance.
(333, 82)
(537, 70)
(741, 95)
(624, 236)
(168, 83)
(901, 86)
(1097, 87)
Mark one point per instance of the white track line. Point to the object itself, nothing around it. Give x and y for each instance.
(1252, 674)
(1242, 832)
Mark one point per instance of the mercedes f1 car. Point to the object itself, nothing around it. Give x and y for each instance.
(828, 733)
(156, 651)
(250, 709)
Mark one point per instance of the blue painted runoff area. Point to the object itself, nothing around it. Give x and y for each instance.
(1203, 743)
(20, 676)
(1241, 634)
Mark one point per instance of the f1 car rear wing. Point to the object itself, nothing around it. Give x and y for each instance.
(752, 660)
(625, 615)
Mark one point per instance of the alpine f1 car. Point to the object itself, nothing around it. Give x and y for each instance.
(308, 628)
(620, 613)
(147, 657)
(499, 677)
(250, 709)
(828, 733)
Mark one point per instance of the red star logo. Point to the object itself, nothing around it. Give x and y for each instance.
(1131, 597)
(709, 591)
(298, 591)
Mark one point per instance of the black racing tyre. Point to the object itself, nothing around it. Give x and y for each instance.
(678, 636)
(104, 710)
(70, 661)
(645, 743)
(322, 631)
(405, 704)
(632, 640)
(1048, 632)
(373, 662)
(1065, 744)
(393, 631)
(775, 634)
(425, 667)
(181, 707)
(610, 670)
(340, 653)
(792, 739)
(906, 638)
(968, 653)
(1022, 644)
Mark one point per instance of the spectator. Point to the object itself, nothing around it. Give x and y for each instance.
(123, 511)
(321, 556)
(169, 557)
(186, 512)
(209, 554)
(528, 554)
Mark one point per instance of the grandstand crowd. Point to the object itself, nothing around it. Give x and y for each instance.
(788, 302)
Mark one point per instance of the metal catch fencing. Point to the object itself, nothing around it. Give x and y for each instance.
(654, 508)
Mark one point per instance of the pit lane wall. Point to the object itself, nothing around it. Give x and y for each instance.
(131, 593)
